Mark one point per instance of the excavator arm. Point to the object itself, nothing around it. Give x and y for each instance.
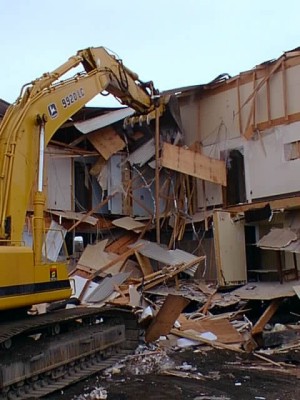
(49, 101)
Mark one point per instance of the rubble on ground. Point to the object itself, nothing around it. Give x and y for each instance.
(178, 311)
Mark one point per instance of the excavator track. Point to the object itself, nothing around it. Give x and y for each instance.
(43, 360)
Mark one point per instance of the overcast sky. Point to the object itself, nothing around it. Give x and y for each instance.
(175, 43)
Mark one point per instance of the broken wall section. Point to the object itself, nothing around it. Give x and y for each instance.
(251, 122)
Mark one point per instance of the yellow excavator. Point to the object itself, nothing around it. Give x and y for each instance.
(26, 277)
(88, 338)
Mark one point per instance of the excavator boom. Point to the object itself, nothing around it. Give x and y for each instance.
(89, 337)
(57, 101)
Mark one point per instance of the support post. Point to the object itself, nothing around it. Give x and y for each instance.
(157, 166)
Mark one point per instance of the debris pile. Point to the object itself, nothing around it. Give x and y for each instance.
(177, 310)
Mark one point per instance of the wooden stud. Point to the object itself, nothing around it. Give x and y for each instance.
(284, 88)
(275, 67)
(268, 100)
(254, 100)
(286, 203)
(239, 105)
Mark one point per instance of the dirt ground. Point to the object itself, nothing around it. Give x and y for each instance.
(208, 375)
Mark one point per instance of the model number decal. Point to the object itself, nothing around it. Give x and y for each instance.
(72, 98)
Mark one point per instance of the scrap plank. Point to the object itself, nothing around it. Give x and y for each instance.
(144, 263)
(193, 163)
(190, 334)
(266, 316)
(166, 317)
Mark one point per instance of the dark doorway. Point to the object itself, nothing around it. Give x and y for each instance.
(236, 189)
(83, 190)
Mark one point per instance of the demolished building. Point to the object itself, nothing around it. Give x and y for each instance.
(227, 175)
(190, 219)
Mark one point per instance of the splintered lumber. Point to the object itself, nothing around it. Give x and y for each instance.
(120, 245)
(168, 273)
(193, 163)
(166, 317)
(266, 316)
(92, 211)
(122, 257)
(267, 359)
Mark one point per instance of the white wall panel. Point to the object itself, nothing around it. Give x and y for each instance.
(269, 173)
(58, 180)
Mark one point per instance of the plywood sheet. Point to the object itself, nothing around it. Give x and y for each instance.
(92, 255)
(222, 328)
(107, 142)
(128, 223)
(193, 163)
(95, 258)
(277, 239)
(169, 257)
(106, 287)
(266, 290)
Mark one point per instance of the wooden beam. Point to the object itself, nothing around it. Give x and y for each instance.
(144, 263)
(239, 105)
(268, 101)
(286, 203)
(246, 76)
(193, 163)
(166, 317)
(284, 88)
(249, 129)
(266, 316)
(274, 68)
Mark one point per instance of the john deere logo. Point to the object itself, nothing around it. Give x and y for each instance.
(52, 110)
